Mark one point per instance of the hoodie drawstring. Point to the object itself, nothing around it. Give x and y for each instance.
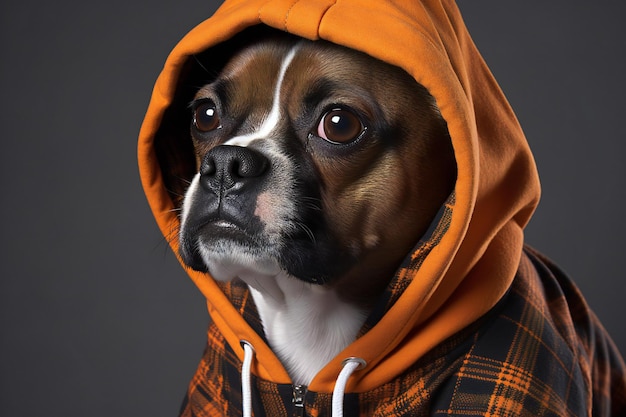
(246, 388)
(350, 365)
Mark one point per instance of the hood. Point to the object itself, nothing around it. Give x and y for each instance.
(468, 268)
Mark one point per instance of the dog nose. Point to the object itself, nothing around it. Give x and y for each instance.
(225, 166)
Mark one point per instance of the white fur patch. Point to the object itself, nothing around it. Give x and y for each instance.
(273, 118)
(306, 325)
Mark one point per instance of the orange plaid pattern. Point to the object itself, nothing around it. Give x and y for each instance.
(539, 352)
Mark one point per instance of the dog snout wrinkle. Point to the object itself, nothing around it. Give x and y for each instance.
(226, 166)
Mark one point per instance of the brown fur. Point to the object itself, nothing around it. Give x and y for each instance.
(374, 204)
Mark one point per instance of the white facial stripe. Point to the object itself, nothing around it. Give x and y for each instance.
(272, 119)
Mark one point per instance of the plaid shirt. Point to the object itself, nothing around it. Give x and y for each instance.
(539, 352)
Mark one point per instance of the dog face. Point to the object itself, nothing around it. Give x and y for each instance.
(315, 161)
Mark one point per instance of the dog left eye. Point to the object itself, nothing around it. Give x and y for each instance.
(205, 117)
(340, 126)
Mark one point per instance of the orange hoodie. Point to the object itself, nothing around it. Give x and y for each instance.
(459, 277)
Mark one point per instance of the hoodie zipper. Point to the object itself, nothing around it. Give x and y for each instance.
(299, 392)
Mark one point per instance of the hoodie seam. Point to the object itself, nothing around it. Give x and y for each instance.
(330, 6)
(287, 15)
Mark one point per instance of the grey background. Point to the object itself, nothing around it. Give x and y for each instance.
(96, 317)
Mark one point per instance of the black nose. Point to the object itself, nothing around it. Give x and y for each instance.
(225, 166)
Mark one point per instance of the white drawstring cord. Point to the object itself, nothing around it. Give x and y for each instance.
(349, 366)
(246, 388)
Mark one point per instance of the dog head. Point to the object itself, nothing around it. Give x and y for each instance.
(316, 161)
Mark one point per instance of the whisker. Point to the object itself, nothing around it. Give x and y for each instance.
(165, 242)
(312, 203)
(172, 235)
(307, 230)
(183, 179)
(213, 73)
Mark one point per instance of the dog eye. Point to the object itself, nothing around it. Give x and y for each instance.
(205, 117)
(340, 126)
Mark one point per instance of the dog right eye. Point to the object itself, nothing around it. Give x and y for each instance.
(205, 117)
(339, 126)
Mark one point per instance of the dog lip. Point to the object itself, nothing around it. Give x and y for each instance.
(221, 228)
(209, 232)
(225, 224)
(225, 227)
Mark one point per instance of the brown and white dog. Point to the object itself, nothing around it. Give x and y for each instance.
(319, 169)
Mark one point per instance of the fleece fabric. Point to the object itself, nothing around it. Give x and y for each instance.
(474, 322)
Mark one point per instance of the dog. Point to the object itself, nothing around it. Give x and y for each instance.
(303, 192)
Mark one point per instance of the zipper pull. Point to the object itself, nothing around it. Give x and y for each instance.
(299, 392)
